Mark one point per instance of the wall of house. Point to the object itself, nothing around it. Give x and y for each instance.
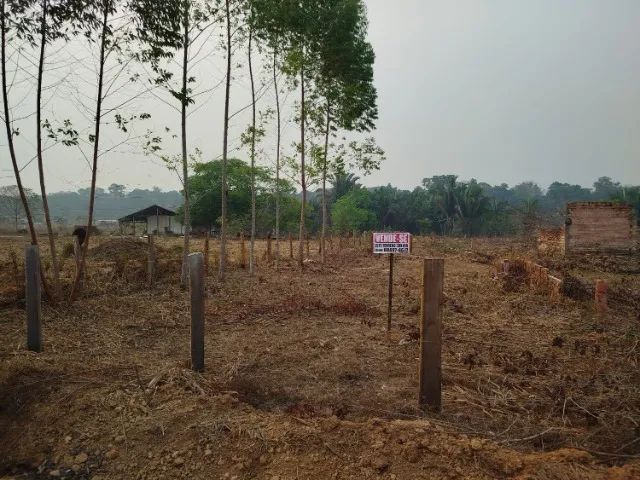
(600, 227)
(163, 223)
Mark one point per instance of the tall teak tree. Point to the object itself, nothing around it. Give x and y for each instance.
(344, 82)
(225, 151)
(54, 18)
(166, 28)
(14, 16)
(102, 9)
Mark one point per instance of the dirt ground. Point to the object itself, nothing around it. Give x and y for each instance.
(302, 380)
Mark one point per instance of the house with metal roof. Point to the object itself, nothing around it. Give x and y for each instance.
(156, 219)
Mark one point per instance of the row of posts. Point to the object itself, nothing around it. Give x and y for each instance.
(430, 338)
(357, 240)
(362, 239)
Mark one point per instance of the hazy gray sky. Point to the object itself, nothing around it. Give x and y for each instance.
(506, 91)
(499, 90)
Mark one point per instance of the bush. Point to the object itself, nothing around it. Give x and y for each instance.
(351, 212)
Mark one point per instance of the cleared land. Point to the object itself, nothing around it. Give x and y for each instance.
(301, 379)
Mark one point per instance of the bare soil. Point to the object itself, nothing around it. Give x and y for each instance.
(303, 381)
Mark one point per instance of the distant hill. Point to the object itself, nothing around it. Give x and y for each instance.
(72, 207)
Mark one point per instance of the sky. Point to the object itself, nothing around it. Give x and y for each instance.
(506, 91)
(496, 90)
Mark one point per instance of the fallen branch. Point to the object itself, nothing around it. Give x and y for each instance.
(531, 437)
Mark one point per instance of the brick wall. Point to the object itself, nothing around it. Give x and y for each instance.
(600, 227)
(551, 241)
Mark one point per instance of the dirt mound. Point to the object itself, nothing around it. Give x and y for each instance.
(140, 433)
(120, 247)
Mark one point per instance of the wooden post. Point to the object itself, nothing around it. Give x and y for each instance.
(16, 275)
(269, 248)
(196, 275)
(390, 301)
(320, 244)
(77, 256)
(601, 296)
(206, 253)
(277, 253)
(505, 266)
(290, 246)
(431, 334)
(77, 251)
(243, 252)
(307, 244)
(151, 261)
(33, 296)
(215, 260)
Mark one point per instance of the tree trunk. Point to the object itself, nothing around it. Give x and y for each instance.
(12, 152)
(324, 185)
(225, 139)
(185, 168)
(275, 83)
(45, 202)
(96, 143)
(302, 172)
(7, 122)
(253, 163)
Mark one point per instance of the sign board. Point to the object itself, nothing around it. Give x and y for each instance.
(392, 242)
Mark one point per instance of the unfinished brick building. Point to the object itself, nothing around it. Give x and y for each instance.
(600, 227)
(551, 241)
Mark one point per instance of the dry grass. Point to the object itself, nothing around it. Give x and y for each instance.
(300, 370)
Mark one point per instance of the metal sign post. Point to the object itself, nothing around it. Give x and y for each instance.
(390, 243)
(390, 302)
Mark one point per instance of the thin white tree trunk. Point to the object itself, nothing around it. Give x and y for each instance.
(252, 258)
(275, 83)
(96, 142)
(324, 185)
(185, 158)
(7, 122)
(12, 152)
(225, 140)
(303, 180)
(43, 190)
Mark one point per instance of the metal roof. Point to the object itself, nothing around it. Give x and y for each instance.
(141, 215)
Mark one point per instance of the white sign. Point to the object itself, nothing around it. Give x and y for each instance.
(391, 242)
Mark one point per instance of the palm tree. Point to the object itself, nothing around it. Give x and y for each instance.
(343, 183)
(471, 204)
(446, 199)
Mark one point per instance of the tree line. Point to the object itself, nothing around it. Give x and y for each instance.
(444, 205)
(316, 50)
(441, 205)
